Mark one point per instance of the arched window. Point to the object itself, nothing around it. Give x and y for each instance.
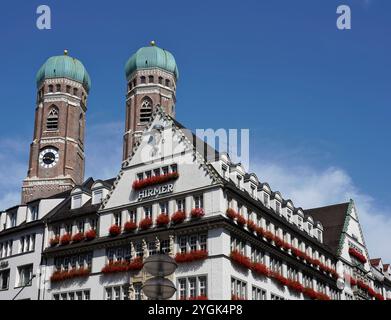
(151, 79)
(160, 80)
(146, 110)
(75, 91)
(50, 88)
(58, 87)
(142, 79)
(52, 119)
(167, 83)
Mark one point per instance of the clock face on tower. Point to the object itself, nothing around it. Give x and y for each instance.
(48, 158)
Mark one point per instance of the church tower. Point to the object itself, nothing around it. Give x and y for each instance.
(152, 75)
(57, 152)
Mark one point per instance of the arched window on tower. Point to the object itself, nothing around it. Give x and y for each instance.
(50, 88)
(167, 82)
(151, 79)
(160, 80)
(52, 119)
(58, 87)
(142, 79)
(146, 110)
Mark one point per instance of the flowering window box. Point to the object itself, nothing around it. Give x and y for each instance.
(178, 217)
(269, 236)
(90, 235)
(260, 269)
(191, 256)
(114, 230)
(162, 220)
(78, 237)
(298, 253)
(130, 226)
(240, 259)
(197, 213)
(231, 213)
(278, 242)
(143, 183)
(359, 256)
(286, 246)
(251, 225)
(123, 266)
(145, 223)
(295, 285)
(260, 232)
(55, 241)
(58, 276)
(241, 221)
(199, 298)
(279, 278)
(65, 239)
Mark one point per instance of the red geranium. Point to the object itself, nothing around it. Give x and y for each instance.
(279, 278)
(286, 246)
(90, 234)
(145, 223)
(358, 255)
(240, 259)
(162, 220)
(191, 256)
(295, 285)
(240, 220)
(114, 230)
(260, 231)
(71, 274)
(65, 239)
(122, 266)
(251, 225)
(260, 269)
(268, 235)
(55, 241)
(298, 253)
(278, 241)
(178, 217)
(78, 237)
(143, 183)
(231, 213)
(197, 213)
(130, 226)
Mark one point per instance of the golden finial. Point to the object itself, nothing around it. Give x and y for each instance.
(153, 43)
(65, 52)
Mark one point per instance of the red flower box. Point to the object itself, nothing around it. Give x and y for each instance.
(178, 217)
(278, 241)
(114, 230)
(145, 223)
(140, 184)
(199, 298)
(191, 256)
(298, 253)
(240, 259)
(260, 231)
(55, 241)
(130, 226)
(197, 213)
(269, 235)
(295, 285)
(260, 269)
(162, 220)
(310, 293)
(66, 275)
(279, 278)
(123, 266)
(251, 225)
(65, 239)
(359, 256)
(78, 237)
(90, 235)
(286, 246)
(240, 220)
(231, 213)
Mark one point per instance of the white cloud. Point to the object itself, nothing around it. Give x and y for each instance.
(308, 187)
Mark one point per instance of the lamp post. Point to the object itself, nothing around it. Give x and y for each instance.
(159, 287)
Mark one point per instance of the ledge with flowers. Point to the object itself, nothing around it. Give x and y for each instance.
(280, 243)
(67, 238)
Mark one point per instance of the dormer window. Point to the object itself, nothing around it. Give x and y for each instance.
(13, 220)
(76, 201)
(278, 207)
(266, 199)
(289, 215)
(98, 196)
(300, 222)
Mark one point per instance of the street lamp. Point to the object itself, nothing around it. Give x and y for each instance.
(158, 287)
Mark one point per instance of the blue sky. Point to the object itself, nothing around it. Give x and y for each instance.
(316, 99)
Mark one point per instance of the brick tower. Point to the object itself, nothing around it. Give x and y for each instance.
(57, 152)
(151, 75)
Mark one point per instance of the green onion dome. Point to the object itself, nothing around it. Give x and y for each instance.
(64, 67)
(151, 57)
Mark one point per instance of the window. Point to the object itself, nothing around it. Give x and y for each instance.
(165, 246)
(160, 80)
(266, 199)
(289, 215)
(52, 119)
(4, 279)
(93, 223)
(133, 215)
(276, 265)
(148, 174)
(193, 242)
(148, 212)
(76, 201)
(292, 273)
(165, 170)
(174, 168)
(68, 89)
(258, 294)
(192, 287)
(300, 222)
(117, 219)
(139, 250)
(156, 172)
(238, 289)
(164, 207)
(25, 275)
(137, 291)
(34, 213)
(167, 82)
(13, 220)
(75, 91)
(181, 205)
(150, 79)
(80, 226)
(79, 295)
(238, 245)
(257, 255)
(58, 87)
(152, 248)
(276, 297)
(199, 202)
(51, 88)
(278, 207)
(68, 229)
(142, 79)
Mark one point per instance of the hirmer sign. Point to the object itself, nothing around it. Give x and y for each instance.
(155, 191)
